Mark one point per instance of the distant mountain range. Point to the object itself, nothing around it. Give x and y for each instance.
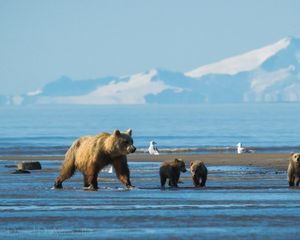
(268, 74)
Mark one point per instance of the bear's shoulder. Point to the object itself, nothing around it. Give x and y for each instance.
(102, 134)
(169, 163)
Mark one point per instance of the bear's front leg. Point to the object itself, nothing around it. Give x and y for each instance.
(203, 181)
(196, 181)
(122, 171)
(291, 183)
(173, 180)
(176, 179)
(297, 180)
(290, 175)
(163, 180)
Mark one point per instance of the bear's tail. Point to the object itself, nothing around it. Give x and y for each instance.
(68, 167)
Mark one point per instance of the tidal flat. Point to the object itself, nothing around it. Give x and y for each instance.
(240, 201)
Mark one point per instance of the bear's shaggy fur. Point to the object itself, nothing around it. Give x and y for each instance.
(90, 154)
(171, 170)
(199, 173)
(294, 169)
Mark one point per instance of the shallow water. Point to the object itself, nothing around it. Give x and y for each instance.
(239, 202)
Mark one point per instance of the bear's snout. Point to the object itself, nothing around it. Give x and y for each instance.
(297, 159)
(131, 149)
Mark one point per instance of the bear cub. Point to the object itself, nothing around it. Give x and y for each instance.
(90, 154)
(199, 173)
(294, 170)
(171, 170)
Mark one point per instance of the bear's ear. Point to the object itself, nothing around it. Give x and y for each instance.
(117, 133)
(129, 131)
(176, 160)
(191, 163)
(291, 154)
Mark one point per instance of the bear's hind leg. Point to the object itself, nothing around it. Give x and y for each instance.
(65, 174)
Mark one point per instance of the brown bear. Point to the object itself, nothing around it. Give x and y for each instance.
(90, 154)
(294, 169)
(199, 173)
(171, 170)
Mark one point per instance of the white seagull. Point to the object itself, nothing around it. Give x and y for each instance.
(241, 149)
(153, 149)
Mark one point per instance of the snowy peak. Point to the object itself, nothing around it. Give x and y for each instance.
(241, 63)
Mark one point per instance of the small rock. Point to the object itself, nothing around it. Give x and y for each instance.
(19, 171)
(10, 166)
(29, 166)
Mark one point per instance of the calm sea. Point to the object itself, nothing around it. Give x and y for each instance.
(38, 130)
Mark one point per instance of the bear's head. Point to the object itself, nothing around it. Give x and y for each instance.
(120, 143)
(194, 166)
(295, 158)
(181, 165)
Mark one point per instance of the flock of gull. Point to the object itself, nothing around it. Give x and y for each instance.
(153, 150)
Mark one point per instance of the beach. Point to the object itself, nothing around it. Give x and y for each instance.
(276, 160)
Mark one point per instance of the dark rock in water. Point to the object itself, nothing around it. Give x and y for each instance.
(20, 171)
(29, 166)
(10, 166)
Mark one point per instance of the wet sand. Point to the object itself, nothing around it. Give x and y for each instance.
(246, 197)
(276, 160)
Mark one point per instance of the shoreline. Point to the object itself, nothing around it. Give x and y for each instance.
(277, 160)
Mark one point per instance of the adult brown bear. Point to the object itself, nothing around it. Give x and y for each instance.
(90, 154)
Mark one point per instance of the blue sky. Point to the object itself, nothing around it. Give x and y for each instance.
(43, 40)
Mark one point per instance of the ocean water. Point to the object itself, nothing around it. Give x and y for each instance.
(50, 130)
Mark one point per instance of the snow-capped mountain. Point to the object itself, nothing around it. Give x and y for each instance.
(112, 90)
(268, 74)
(245, 62)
